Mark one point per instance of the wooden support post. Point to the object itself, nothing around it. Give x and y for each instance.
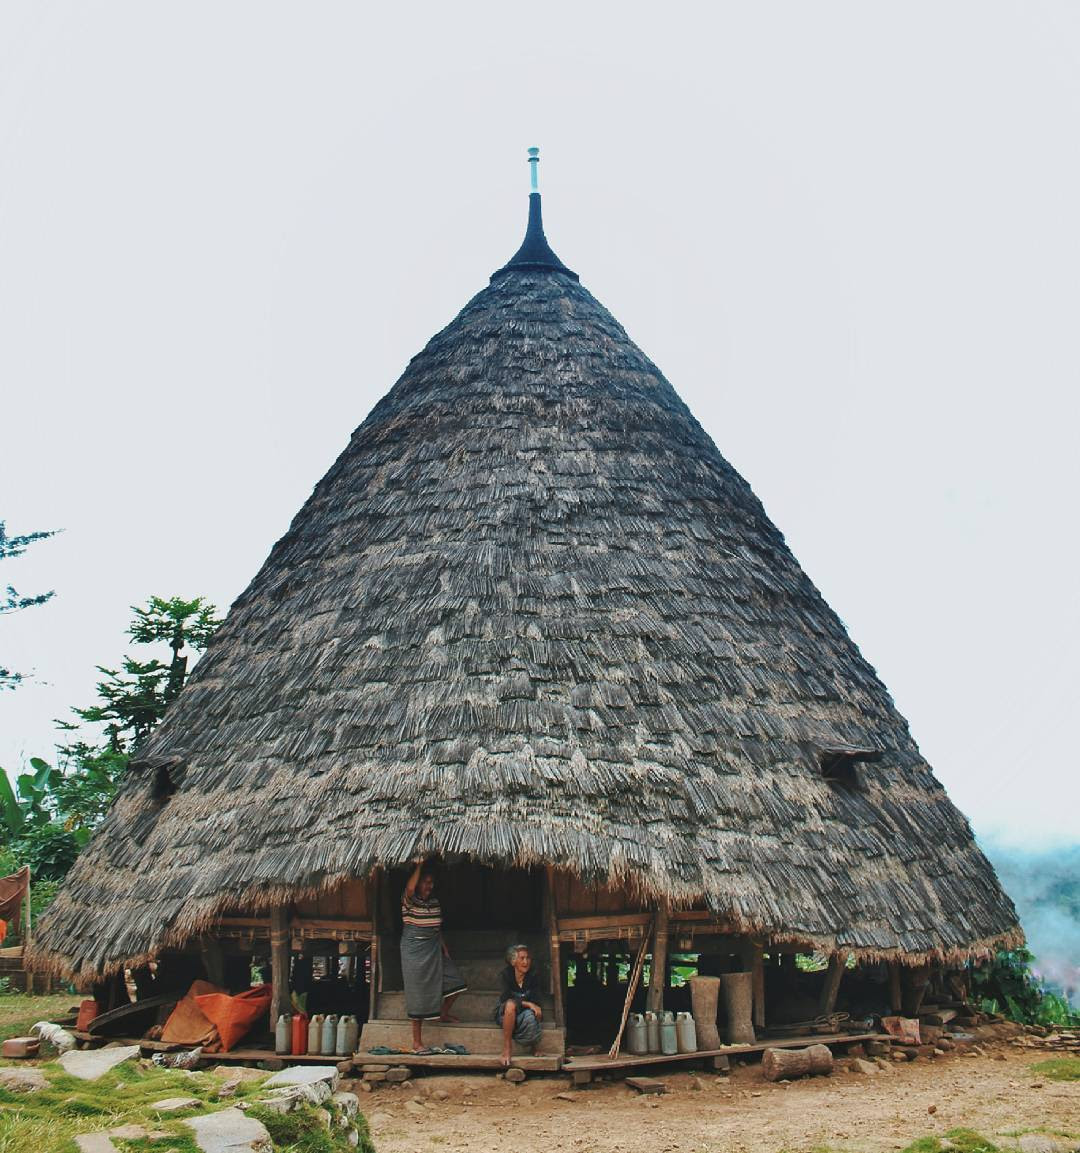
(896, 999)
(757, 961)
(27, 938)
(556, 958)
(279, 963)
(831, 987)
(373, 968)
(658, 972)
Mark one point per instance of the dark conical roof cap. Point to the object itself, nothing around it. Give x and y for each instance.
(535, 254)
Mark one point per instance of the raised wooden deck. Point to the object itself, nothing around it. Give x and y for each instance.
(601, 1062)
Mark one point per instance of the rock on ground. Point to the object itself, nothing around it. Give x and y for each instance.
(22, 1080)
(174, 1104)
(306, 1075)
(90, 1064)
(95, 1143)
(230, 1131)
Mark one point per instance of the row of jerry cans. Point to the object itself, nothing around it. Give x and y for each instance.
(332, 1036)
(663, 1032)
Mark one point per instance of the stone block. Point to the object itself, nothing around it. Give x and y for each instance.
(21, 1048)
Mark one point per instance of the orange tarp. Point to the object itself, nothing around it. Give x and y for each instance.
(234, 1016)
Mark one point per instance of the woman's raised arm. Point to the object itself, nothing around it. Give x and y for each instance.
(410, 884)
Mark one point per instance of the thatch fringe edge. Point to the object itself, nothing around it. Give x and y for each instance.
(201, 917)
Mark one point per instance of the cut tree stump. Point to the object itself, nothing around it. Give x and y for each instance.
(784, 1064)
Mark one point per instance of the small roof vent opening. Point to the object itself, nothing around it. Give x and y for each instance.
(838, 763)
(165, 778)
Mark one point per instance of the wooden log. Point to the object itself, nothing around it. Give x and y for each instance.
(658, 972)
(555, 959)
(831, 987)
(279, 963)
(941, 1017)
(784, 1064)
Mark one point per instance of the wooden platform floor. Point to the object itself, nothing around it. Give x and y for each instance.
(589, 1065)
(601, 1062)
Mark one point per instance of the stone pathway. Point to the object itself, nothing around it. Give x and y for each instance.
(230, 1131)
(90, 1064)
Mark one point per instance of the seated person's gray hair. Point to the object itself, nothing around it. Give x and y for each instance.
(513, 951)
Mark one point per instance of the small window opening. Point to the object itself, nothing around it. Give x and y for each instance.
(164, 785)
(838, 763)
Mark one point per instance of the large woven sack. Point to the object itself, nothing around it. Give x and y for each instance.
(235, 1016)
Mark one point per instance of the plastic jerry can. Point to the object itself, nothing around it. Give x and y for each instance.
(652, 1032)
(669, 1041)
(283, 1034)
(637, 1037)
(341, 1047)
(314, 1034)
(299, 1034)
(686, 1032)
(329, 1034)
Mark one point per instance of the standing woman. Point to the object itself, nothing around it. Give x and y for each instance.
(432, 980)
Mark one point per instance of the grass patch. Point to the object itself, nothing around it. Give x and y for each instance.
(18, 1011)
(49, 1119)
(960, 1140)
(1059, 1069)
(303, 1132)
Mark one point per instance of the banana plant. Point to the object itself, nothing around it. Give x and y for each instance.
(25, 806)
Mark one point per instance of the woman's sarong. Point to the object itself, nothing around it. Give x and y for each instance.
(430, 976)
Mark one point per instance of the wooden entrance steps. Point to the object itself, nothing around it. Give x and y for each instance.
(477, 1037)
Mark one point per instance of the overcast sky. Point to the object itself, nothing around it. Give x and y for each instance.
(847, 233)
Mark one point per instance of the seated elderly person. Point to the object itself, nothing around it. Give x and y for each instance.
(518, 1011)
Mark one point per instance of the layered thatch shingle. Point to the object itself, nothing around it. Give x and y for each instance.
(532, 615)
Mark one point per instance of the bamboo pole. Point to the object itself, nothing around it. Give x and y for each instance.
(631, 989)
(658, 972)
(279, 963)
(556, 951)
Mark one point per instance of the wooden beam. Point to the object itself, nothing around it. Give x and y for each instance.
(896, 997)
(658, 971)
(555, 960)
(831, 988)
(279, 963)
(757, 967)
(373, 968)
(27, 936)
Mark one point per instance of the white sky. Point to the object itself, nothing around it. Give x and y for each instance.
(847, 233)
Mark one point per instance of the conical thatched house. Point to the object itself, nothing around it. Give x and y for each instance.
(532, 623)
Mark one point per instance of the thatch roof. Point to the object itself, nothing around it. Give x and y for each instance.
(532, 615)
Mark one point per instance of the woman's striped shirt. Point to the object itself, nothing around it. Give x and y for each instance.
(416, 911)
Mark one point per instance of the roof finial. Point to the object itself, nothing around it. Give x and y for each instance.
(535, 253)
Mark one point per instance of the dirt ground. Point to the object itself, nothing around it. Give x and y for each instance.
(995, 1094)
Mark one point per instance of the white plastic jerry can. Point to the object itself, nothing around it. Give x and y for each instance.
(329, 1034)
(283, 1034)
(314, 1034)
(669, 1041)
(652, 1032)
(687, 1033)
(637, 1037)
